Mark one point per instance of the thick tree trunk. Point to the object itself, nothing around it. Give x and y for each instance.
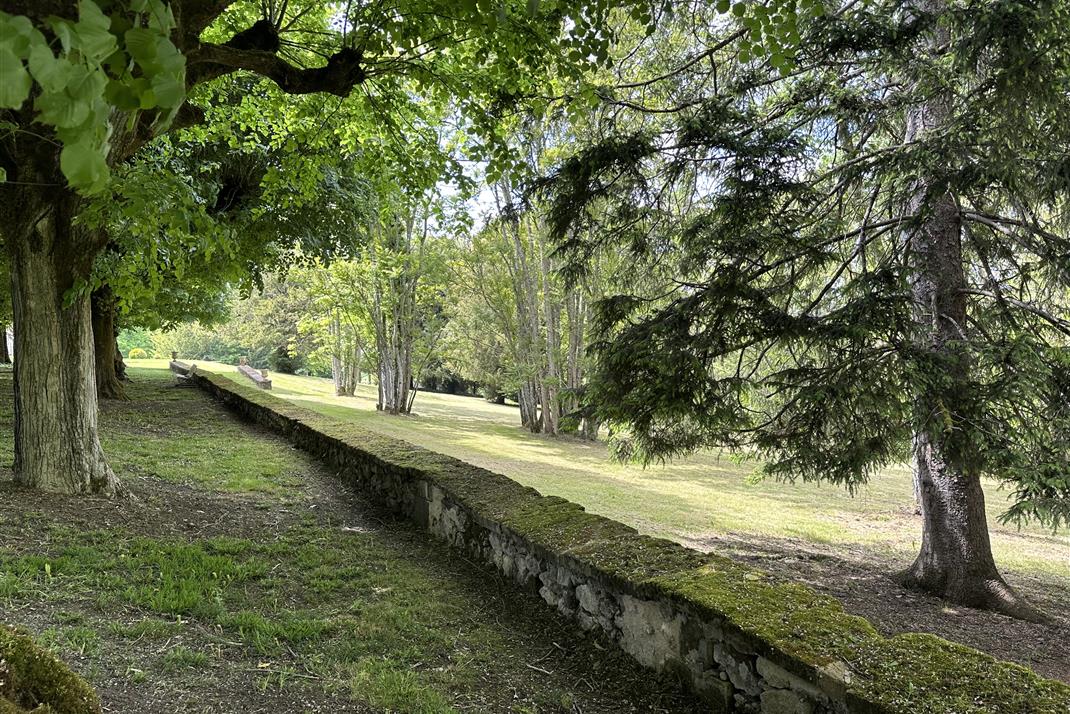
(5, 355)
(105, 349)
(956, 560)
(56, 443)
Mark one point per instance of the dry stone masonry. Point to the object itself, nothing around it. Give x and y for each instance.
(740, 642)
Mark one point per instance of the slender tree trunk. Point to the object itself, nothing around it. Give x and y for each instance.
(5, 355)
(57, 447)
(337, 366)
(576, 314)
(551, 382)
(956, 560)
(351, 371)
(103, 309)
(120, 365)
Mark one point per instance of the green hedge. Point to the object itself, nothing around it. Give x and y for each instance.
(798, 628)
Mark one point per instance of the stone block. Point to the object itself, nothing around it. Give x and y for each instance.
(785, 701)
(649, 631)
(779, 678)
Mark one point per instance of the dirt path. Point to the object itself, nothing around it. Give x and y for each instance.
(285, 593)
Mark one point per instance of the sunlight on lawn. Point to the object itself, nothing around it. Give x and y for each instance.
(703, 495)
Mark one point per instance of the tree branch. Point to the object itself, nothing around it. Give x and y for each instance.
(255, 50)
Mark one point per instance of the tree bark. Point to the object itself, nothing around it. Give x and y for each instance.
(106, 354)
(5, 355)
(551, 381)
(57, 447)
(120, 365)
(956, 560)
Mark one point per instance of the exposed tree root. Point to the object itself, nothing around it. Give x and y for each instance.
(979, 592)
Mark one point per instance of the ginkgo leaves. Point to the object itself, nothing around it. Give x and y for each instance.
(87, 68)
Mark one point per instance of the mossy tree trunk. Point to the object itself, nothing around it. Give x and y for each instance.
(57, 447)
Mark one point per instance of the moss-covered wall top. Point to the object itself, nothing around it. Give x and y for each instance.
(803, 632)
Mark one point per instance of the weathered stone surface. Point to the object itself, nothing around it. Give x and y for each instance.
(738, 668)
(776, 677)
(785, 701)
(714, 690)
(649, 631)
(834, 678)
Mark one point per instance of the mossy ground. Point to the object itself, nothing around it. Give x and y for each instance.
(245, 578)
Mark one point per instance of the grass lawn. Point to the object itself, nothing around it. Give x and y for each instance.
(244, 577)
(688, 499)
(841, 545)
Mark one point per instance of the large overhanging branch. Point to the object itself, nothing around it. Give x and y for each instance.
(255, 50)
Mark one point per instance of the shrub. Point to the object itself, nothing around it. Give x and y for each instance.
(137, 353)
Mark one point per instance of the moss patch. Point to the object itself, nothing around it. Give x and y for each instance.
(31, 678)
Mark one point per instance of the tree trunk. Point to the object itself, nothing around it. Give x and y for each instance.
(956, 560)
(106, 354)
(5, 355)
(351, 370)
(591, 425)
(57, 447)
(334, 329)
(551, 382)
(120, 365)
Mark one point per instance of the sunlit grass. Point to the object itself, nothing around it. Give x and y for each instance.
(706, 494)
(280, 595)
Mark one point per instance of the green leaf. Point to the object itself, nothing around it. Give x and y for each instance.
(18, 34)
(3, 174)
(169, 91)
(84, 166)
(51, 73)
(62, 30)
(121, 95)
(141, 44)
(15, 82)
(61, 110)
(93, 32)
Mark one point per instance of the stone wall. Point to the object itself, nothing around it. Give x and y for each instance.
(740, 642)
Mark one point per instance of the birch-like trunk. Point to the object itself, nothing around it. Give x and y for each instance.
(551, 309)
